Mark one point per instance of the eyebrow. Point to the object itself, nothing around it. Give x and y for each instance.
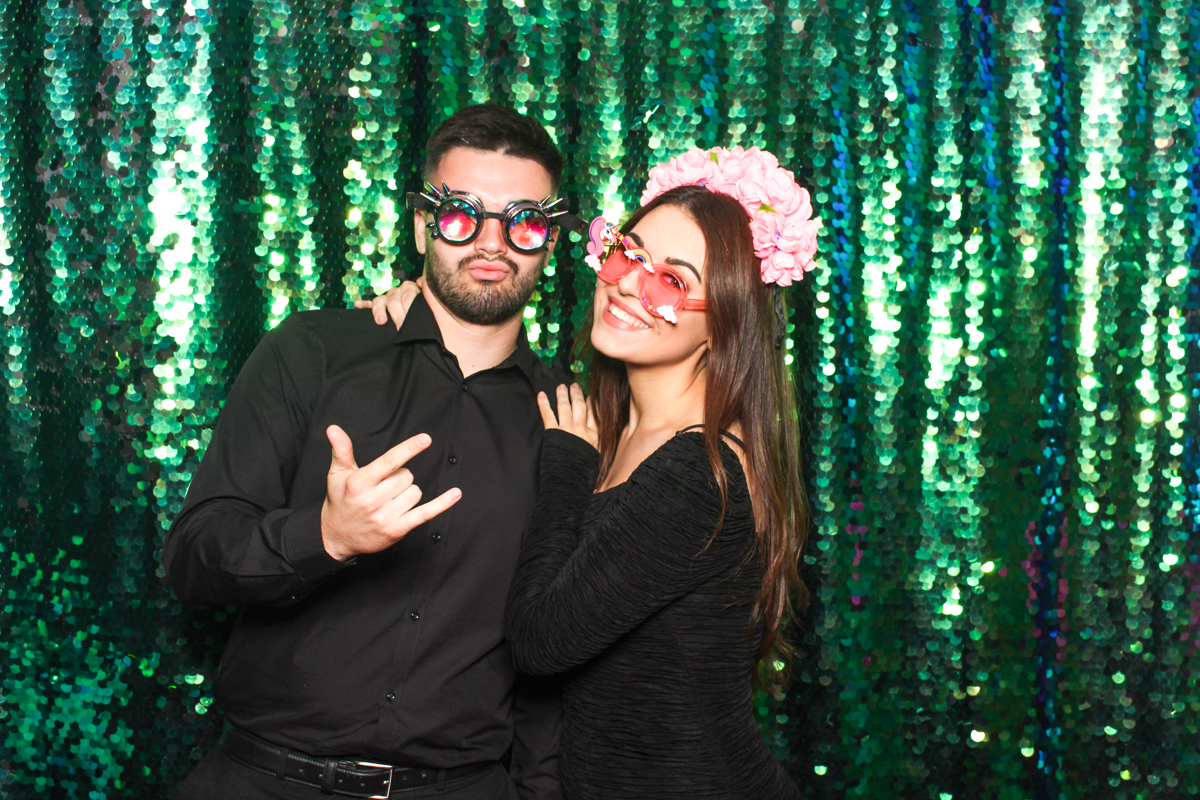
(675, 262)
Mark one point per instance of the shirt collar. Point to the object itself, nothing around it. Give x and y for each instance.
(420, 326)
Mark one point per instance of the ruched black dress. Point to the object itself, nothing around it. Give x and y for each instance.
(628, 593)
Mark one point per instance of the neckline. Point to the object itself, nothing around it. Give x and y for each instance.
(420, 325)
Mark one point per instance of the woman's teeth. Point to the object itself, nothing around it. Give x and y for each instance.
(626, 318)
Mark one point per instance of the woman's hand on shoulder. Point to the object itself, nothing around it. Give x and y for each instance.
(575, 414)
(395, 303)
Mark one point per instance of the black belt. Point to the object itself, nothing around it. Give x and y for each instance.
(337, 775)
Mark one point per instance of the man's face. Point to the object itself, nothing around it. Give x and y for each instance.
(485, 281)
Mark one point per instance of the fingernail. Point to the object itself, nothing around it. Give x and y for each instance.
(423, 440)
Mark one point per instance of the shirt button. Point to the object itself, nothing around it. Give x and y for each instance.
(453, 459)
(390, 696)
(464, 385)
(415, 616)
(437, 537)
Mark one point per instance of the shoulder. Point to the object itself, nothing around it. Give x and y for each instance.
(688, 447)
(675, 494)
(547, 378)
(328, 333)
(333, 323)
(681, 465)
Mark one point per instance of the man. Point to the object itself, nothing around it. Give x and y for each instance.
(370, 657)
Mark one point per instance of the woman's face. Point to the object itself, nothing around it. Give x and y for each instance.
(622, 328)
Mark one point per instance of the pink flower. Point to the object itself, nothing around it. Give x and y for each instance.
(750, 193)
(781, 268)
(800, 238)
(764, 226)
(731, 164)
(693, 168)
(743, 176)
(783, 195)
(752, 165)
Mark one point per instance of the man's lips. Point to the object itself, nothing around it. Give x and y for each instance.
(488, 270)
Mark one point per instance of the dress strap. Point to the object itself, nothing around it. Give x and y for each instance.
(726, 434)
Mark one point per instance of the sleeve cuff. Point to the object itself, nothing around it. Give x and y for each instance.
(565, 454)
(306, 547)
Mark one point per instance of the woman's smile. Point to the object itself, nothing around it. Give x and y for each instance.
(623, 315)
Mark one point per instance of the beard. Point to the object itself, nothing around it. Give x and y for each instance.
(478, 303)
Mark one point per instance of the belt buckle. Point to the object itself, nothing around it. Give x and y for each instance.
(389, 768)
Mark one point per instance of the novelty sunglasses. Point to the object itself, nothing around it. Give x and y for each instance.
(458, 217)
(662, 289)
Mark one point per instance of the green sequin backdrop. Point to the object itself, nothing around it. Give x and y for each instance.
(997, 351)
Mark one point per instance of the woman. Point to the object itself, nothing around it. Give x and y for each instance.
(662, 555)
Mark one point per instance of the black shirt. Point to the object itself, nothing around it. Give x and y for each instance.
(398, 656)
(631, 593)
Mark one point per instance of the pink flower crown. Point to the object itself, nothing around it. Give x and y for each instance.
(785, 234)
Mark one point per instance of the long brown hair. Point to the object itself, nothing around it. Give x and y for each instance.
(747, 383)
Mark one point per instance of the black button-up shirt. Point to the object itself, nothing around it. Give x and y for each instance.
(397, 656)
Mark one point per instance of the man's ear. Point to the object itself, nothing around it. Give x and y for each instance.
(419, 231)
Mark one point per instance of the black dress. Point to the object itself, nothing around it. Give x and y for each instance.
(628, 593)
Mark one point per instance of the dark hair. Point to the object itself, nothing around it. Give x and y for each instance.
(747, 383)
(494, 128)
